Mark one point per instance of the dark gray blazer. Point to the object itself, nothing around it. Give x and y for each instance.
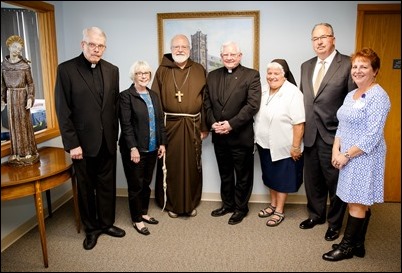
(321, 110)
(83, 117)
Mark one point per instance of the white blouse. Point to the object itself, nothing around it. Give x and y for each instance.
(273, 124)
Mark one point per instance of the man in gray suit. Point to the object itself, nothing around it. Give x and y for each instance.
(325, 81)
(86, 95)
(232, 98)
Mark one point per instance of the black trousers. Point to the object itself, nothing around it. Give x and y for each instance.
(320, 181)
(236, 169)
(139, 178)
(96, 181)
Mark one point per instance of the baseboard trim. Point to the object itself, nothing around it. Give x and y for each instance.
(258, 198)
(255, 198)
(20, 231)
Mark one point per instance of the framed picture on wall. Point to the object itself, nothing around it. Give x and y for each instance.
(207, 31)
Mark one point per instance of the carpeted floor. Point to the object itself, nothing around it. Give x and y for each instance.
(205, 243)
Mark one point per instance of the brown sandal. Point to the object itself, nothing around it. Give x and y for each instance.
(273, 222)
(264, 213)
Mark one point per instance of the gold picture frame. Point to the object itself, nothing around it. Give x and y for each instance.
(213, 29)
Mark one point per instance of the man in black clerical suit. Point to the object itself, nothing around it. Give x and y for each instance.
(232, 98)
(86, 95)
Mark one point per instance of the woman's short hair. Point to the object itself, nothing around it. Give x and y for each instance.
(139, 66)
(368, 54)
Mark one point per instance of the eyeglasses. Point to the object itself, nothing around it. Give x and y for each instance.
(140, 74)
(230, 55)
(93, 46)
(180, 47)
(323, 37)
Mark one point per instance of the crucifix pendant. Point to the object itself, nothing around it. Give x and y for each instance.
(179, 94)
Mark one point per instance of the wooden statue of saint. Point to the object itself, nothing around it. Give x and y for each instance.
(18, 93)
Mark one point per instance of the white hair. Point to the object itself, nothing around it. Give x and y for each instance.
(137, 67)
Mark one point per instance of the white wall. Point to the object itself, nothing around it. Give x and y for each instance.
(131, 28)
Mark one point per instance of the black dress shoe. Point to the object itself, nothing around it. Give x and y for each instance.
(331, 234)
(90, 240)
(115, 231)
(310, 223)
(151, 221)
(221, 211)
(143, 231)
(236, 218)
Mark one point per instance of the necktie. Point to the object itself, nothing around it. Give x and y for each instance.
(320, 76)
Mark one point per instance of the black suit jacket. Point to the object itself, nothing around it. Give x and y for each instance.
(134, 120)
(241, 103)
(83, 117)
(321, 109)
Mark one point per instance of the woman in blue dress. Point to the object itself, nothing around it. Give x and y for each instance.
(359, 152)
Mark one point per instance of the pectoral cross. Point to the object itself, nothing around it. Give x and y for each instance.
(179, 94)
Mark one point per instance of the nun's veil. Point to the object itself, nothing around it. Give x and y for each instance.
(285, 66)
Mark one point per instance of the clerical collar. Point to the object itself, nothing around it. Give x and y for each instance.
(231, 71)
(88, 63)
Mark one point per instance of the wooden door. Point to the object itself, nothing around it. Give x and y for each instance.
(379, 27)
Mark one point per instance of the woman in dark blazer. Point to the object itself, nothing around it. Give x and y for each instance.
(142, 140)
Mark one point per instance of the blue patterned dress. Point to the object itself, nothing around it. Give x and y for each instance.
(361, 123)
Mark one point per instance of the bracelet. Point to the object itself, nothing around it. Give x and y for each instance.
(347, 155)
(295, 148)
(134, 148)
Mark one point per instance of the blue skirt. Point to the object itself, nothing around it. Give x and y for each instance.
(285, 175)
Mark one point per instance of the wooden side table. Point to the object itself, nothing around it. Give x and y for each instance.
(54, 168)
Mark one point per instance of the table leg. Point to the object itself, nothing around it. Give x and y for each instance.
(49, 203)
(41, 221)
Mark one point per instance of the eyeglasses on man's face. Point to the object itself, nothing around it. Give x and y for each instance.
(93, 46)
(140, 74)
(230, 55)
(322, 37)
(180, 47)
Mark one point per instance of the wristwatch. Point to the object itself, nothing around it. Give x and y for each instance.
(347, 155)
